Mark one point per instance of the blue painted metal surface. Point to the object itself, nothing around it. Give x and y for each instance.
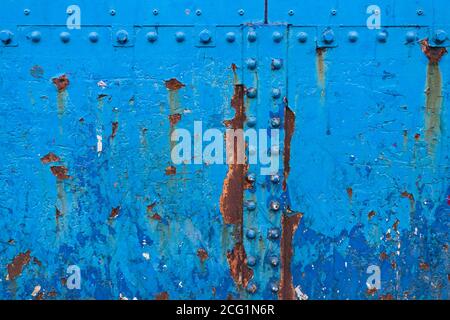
(92, 206)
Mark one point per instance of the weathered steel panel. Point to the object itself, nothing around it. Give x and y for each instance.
(351, 98)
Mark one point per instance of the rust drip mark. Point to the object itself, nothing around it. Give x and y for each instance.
(350, 193)
(289, 224)
(173, 84)
(320, 68)
(49, 158)
(15, 268)
(61, 83)
(114, 128)
(156, 217)
(434, 97)
(395, 225)
(202, 255)
(162, 296)
(171, 170)
(174, 119)
(235, 75)
(60, 172)
(371, 214)
(424, 266)
(232, 197)
(289, 126)
(58, 214)
(240, 272)
(114, 213)
(409, 196)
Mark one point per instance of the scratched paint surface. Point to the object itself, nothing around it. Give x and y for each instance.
(86, 176)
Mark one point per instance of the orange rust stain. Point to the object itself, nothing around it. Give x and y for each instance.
(320, 68)
(350, 193)
(289, 126)
(410, 196)
(114, 128)
(15, 268)
(156, 217)
(371, 214)
(60, 172)
(174, 119)
(417, 137)
(434, 54)
(202, 255)
(114, 213)
(289, 224)
(232, 197)
(237, 259)
(371, 291)
(395, 226)
(49, 158)
(61, 83)
(387, 297)
(235, 75)
(162, 296)
(151, 206)
(383, 256)
(173, 84)
(424, 266)
(171, 170)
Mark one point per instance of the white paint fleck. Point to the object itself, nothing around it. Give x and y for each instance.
(300, 294)
(102, 84)
(146, 255)
(36, 291)
(99, 144)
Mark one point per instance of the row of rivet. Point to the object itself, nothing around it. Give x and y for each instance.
(205, 37)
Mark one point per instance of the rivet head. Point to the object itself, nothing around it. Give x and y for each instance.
(205, 36)
(93, 37)
(230, 37)
(251, 36)
(382, 36)
(251, 64)
(302, 37)
(251, 234)
(251, 92)
(291, 12)
(250, 205)
(275, 178)
(277, 36)
(251, 287)
(64, 36)
(35, 36)
(274, 287)
(179, 36)
(275, 122)
(155, 12)
(420, 12)
(241, 12)
(440, 36)
(274, 205)
(6, 36)
(410, 36)
(353, 36)
(251, 177)
(274, 233)
(251, 121)
(152, 36)
(274, 261)
(26, 12)
(122, 36)
(198, 12)
(277, 64)
(112, 12)
(333, 12)
(328, 36)
(276, 93)
(251, 261)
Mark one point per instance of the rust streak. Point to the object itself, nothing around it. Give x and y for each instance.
(202, 255)
(289, 126)
(173, 84)
(49, 158)
(60, 172)
(237, 259)
(174, 119)
(320, 67)
(289, 224)
(162, 296)
(61, 83)
(15, 268)
(350, 193)
(114, 128)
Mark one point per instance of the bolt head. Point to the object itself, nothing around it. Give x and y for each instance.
(112, 12)
(333, 12)
(26, 12)
(251, 234)
(440, 36)
(420, 12)
(276, 93)
(205, 36)
(410, 36)
(198, 12)
(277, 64)
(241, 12)
(274, 261)
(302, 37)
(251, 64)
(179, 36)
(328, 36)
(291, 12)
(230, 36)
(155, 12)
(275, 122)
(275, 178)
(251, 36)
(353, 36)
(274, 233)
(122, 36)
(64, 36)
(93, 37)
(6, 36)
(251, 121)
(251, 92)
(274, 205)
(152, 36)
(274, 287)
(382, 36)
(251, 205)
(277, 36)
(35, 36)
